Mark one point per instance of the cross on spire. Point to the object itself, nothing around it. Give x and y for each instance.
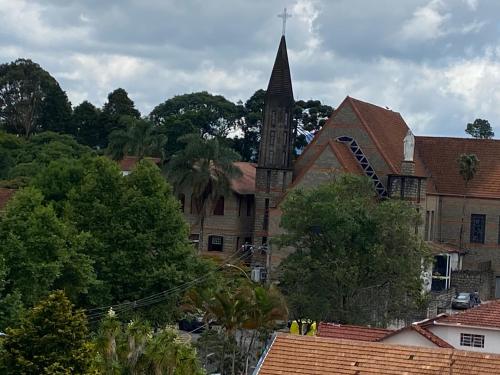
(284, 16)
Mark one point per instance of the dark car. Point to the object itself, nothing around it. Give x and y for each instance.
(463, 301)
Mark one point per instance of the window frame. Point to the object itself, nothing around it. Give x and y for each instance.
(473, 238)
(472, 340)
(215, 246)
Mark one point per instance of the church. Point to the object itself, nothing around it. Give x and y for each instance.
(363, 139)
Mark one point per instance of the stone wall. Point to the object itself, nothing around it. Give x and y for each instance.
(472, 280)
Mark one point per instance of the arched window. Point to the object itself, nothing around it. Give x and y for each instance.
(182, 200)
(219, 207)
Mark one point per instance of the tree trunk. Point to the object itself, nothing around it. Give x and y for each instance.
(461, 237)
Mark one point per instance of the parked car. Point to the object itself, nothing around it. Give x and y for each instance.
(463, 301)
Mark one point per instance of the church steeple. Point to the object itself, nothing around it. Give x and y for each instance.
(277, 133)
(277, 136)
(280, 83)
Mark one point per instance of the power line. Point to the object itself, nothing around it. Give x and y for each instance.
(99, 312)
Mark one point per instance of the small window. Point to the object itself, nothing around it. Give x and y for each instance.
(285, 136)
(272, 136)
(285, 122)
(194, 238)
(219, 207)
(182, 200)
(215, 243)
(193, 208)
(471, 340)
(273, 118)
(477, 228)
(249, 205)
(284, 158)
(271, 156)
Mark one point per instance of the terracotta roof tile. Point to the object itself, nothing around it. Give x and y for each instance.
(290, 354)
(440, 155)
(485, 315)
(128, 162)
(340, 331)
(388, 130)
(246, 183)
(5, 195)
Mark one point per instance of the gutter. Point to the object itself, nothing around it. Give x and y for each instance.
(264, 356)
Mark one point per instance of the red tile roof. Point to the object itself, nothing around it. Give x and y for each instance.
(246, 183)
(440, 155)
(340, 331)
(5, 195)
(128, 162)
(420, 328)
(486, 315)
(291, 354)
(387, 130)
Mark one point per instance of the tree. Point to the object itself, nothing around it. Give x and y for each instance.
(86, 126)
(480, 129)
(136, 349)
(207, 167)
(31, 99)
(139, 139)
(467, 166)
(42, 252)
(309, 117)
(51, 339)
(209, 114)
(140, 237)
(357, 260)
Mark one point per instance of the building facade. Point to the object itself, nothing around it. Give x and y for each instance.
(364, 139)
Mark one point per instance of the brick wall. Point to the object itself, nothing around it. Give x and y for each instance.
(471, 280)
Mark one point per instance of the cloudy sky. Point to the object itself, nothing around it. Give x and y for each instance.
(437, 62)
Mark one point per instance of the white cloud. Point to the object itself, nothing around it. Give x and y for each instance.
(472, 4)
(427, 23)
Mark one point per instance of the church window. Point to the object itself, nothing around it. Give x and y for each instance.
(284, 158)
(272, 136)
(271, 157)
(285, 121)
(285, 138)
(477, 228)
(219, 207)
(273, 118)
(249, 205)
(215, 243)
(182, 201)
(265, 223)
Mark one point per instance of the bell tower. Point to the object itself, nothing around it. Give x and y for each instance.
(277, 136)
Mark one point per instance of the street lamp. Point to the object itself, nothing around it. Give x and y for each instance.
(238, 268)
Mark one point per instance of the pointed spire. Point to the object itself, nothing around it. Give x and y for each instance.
(280, 83)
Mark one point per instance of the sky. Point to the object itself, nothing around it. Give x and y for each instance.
(437, 62)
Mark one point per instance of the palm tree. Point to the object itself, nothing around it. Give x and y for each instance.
(139, 139)
(467, 165)
(207, 167)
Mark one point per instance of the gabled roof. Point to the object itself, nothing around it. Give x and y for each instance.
(341, 331)
(422, 331)
(387, 130)
(440, 155)
(280, 83)
(5, 196)
(246, 183)
(128, 162)
(486, 315)
(292, 354)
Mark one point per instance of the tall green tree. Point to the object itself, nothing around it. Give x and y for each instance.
(206, 167)
(468, 165)
(480, 129)
(309, 116)
(31, 100)
(51, 339)
(42, 252)
(209, 114)
(139, 139)
(140, 237)
(86, 126)
(357, 260)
